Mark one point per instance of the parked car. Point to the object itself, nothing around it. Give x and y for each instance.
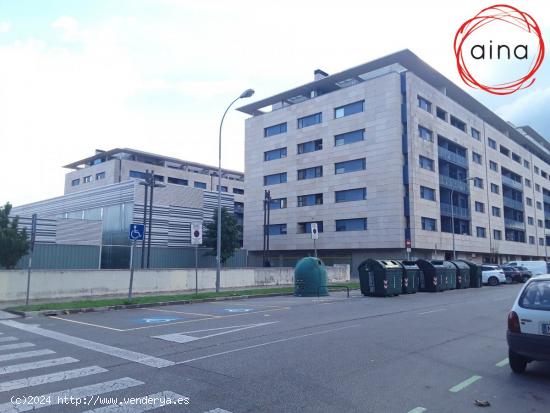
(516, 274)
(492, 275)
(536, 267)
(529, 324)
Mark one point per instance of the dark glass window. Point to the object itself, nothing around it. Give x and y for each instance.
(277, 229)
(200, 185)
(427, 193)
(491, 143)
(497, 234)
(99, 175)
(457, 123)
(516, 158)
(75, 182)
(309, 200)
(480, 232)
(478, 182)
(429, 224)
(424, 104)
(275, 179)
(477, 158)
(350, 109)
(475, 134)
(353, 224)
(310, 120)
(480, 206)
(425, 133)
(310, 173)
(224, 188)
(137, 174)
(493, 166)
(426, 163)
(238, 191)
(275, 154)
(496, 211)
(441, 114)
(274, 130)
(349, 137)
(310, 146)
(536, 295)
(348, 195)
(277, 203)
(305, 227)
(177, 181)
(87, 179)
(350, 166)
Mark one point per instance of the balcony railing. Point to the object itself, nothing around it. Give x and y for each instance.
(459, 212)
(512, 223)
(512, 203)
(455, 184)
(511, 183)
(452, 157)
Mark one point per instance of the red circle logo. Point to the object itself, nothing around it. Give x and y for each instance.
(494, 56)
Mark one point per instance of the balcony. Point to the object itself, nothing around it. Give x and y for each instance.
(459, 212)
(452, 157)
(511, 183)
(512, 223)
(512, 203)
(454, 184)
(546, 199)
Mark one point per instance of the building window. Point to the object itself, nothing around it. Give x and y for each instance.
(239, 191)
(75, 182)
(526, 164)
(493, 166)
(277, 203)
(425, 133)
(275, 179)
(99, 176)
(539, 205)
(349, 137)
(310, 146)
(159, 178)
(348, 195)
(87, 179)
(427, 193)
(429, 224)
(516, 158)
(540, 223)
(480, 232)
(275, 130)
(138, 174)
(305, 227)
(310, 173)
(537, 187)
(276, 229)
(505, 151)
(495, 189)
(457, 123)
(441, 114)
(200, 185)
(527, 183)
(275, 154)
(350, 109)
(475, 134)
(541, 241)
(353, 224)
(491, 143)
(497, 234)
(531, 239)
(350, 166)
(309, 200)
(477, 158)
(478, 182)
(536, 169)
(424, 104)
(529, 201)
(224, 188)
(177, 181)
(426, 163)
(310, 120)
(496, 211)
(479, 206)
(543, 174)
(530, 221)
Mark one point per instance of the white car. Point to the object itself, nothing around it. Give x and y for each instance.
(492, 275)
(529, 324)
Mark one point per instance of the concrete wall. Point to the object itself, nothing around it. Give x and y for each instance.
(86, 283)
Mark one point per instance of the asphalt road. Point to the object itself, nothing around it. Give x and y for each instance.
(422, 352)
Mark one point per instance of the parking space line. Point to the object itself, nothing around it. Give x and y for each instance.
(26, 354)
(15, 368)
(433, 311)
(417, 410)
(6, 339)
(462, 385)
(88, 324)
(16, 346)
(503, 363)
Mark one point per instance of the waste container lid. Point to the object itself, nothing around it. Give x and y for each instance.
(461, 265)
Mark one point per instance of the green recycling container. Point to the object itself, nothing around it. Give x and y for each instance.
(449, 278)
(411, 276)
(462, 274)
(432, 276)
(310, 278)
(380, 278)
(475, 274)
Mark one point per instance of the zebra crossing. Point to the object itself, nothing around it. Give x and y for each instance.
(67, 369)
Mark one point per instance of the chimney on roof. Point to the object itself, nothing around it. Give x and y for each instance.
(319, 74)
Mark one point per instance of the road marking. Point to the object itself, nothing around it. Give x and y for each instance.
(218, 410)
(433, 311)
(180, 312)
(265, 344)
(15, 346)
(25, 354)
(92, 345)
(15, 368)
(464, 384)
(50, 378)
(65, 395)
(417, 410)
(503, 363)
(186, 338)
(87, 324)
(158, 400)
(6, 339)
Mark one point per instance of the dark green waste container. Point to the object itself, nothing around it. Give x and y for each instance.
(310, 278)
(432, 276)
(462, 274)
(380, 278)
(475, 274)
(411, 276)
(449, 271)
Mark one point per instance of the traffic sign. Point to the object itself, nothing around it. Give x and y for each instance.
(136, 232)
(196, 233)
(314, 231)
(408, 243)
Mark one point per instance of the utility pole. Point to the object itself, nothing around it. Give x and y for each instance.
(267, 208)
(145, 194)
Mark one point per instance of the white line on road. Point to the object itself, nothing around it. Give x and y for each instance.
(432, 311)
(185, 338)
(92, 345)
(15, 368)
(218, 410)
(25, 354)
(462, 385)
(159, 400)
(503, 363)
(282, 340)
(6, 339)
(50, 378)
(417, 410)
(15, 346)
(75, 393)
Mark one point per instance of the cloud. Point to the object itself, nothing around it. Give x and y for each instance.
(66, 23)
(5, 27)
(529, 109)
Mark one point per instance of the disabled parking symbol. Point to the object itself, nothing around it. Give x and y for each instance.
(157, 320)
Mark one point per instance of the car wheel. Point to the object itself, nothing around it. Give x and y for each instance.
(508, 279)
(518, 364)
(493, 281)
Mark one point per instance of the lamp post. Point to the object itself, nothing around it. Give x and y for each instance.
(453, 214)
(246, 94)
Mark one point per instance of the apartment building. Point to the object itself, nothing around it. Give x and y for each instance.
(392, 153)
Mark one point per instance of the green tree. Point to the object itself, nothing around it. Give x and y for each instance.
(231, 232)
(14, 243)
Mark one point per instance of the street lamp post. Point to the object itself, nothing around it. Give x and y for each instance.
(453, 215)
(246, 94)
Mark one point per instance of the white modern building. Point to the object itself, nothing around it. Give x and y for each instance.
(388, 153)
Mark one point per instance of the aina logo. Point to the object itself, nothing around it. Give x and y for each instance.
(499, 50)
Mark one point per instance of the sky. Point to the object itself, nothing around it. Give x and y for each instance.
(156, 75)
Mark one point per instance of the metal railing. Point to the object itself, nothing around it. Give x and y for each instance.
(455, 184)
(455, 158)
(511, 183)
(512, 203)
(512, 223)
(449, 210)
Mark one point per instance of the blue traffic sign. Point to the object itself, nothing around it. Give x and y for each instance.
(136, 232)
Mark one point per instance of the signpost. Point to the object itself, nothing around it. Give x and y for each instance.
(135, 233)
(196, 240)
(29, 268)
(314, 236)
(408, 247)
